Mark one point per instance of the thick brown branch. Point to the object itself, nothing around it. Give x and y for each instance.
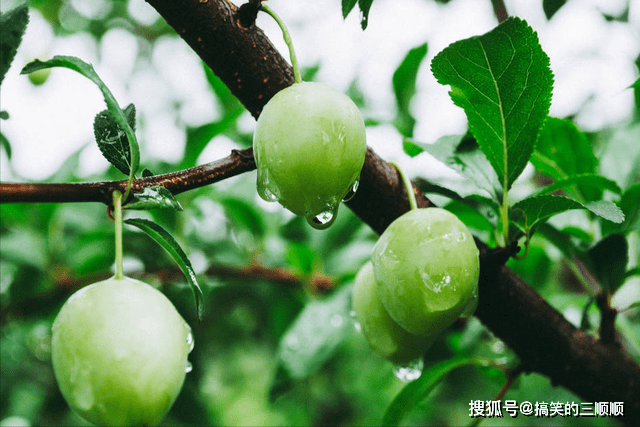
(242, 57)
(544, 340)
(246, 62)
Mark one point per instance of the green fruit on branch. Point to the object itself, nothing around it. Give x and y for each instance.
(309, 146)
(426, 266)
(384, 335)
(119, 352)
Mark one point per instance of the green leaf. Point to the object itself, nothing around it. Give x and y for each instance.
(528, 212)
(365, 6)
(316, 334)
(550, 7)
(13, 24)
(114, 109)
(153, 198)
(607, 210)
(347, 7)
(588, 182)
(609, 259)
(411, 148)
(166, 240)
(503, 82)
(112, 138)
(563, 151)
(4, 143)
(416, 391)
(404, 88)
(462, 155)
(630, 205)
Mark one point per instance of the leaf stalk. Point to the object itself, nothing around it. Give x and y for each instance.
(287, 39)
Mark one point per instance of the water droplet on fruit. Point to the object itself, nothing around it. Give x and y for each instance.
(323, 219)
(336, 321)
(472, 304)
(265, 193)
(410, 371)
(352, 191)
(188, 367)
(356, 324)
(191, 342)
(264, 186)
(293, 342)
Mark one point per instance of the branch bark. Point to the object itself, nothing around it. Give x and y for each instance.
(545, 341)
(254, 71)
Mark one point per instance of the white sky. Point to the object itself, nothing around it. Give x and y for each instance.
(592, 61)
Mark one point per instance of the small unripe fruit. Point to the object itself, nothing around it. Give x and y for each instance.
(427, 267)
(309, 146)
(384, 335)
(119, 351)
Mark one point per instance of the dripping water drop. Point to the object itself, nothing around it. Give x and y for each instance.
(410, 371)
(188, 367)
(323, 219)
(190, 342)
(352, 191)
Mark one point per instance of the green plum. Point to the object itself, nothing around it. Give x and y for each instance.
(426, 266)
(384, 335)
(309, 146)
(119, 351)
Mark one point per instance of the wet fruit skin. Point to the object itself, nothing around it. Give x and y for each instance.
(119, 351)
(309, 146)
(384, 335)
(426, 266)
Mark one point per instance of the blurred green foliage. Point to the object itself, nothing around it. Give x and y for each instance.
(243, 370)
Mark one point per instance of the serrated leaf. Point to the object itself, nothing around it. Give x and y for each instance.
(591, 183)
(563, 151)
(416, 391)
(607, 210)
(608, 259)
(465, 159)
(153, 198)
(112, 138)
(528, 212)
(404, 88)
(166, 240)
(13, 24)
(316, 334)
(114, 109)
(630, 206)
(503, 82)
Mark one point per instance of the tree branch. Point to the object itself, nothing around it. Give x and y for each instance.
(544, 340)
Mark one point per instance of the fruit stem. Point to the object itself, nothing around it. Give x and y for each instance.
(287, 40)
(117, 204)
(407, 184)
